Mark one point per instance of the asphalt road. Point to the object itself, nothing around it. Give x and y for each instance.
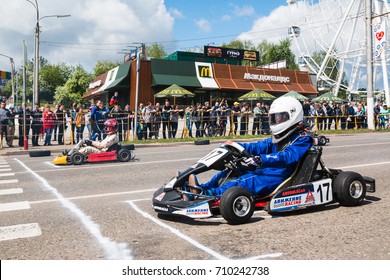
(103, 211)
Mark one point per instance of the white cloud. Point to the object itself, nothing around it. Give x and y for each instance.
(96, 30)
(176, 13)
(204, 25)
(243, 11)
(226, 18)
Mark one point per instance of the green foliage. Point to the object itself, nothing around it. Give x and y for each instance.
(104, 66)
(281, 51)
(155, 50)
(74, 88)
(52, 76)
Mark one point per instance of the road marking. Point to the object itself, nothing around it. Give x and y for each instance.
(93, 196)
(12, 206)
(19, 231)
(178, 233)
(6, 174)
(4, 165)
(11, 191)
(192, 241)
(112, 249)
(6, 169)
(11, 181)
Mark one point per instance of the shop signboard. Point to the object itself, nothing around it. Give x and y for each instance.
(229, 53)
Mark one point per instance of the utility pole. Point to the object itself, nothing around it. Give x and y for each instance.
(370, 98)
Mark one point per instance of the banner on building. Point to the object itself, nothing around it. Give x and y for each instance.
(229, 53)
(379, 29)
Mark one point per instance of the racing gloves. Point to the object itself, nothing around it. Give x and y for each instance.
(88, 142)
(253, 162)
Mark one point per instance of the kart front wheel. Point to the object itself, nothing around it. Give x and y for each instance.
(350, 188)
(77, 158)
(124, 155)
(321, 140)
(237, 205)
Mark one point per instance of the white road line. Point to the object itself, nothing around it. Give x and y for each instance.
(94, 196)
(6, 174)
(12, 206)
(19, 231)
(112, 249)
(11, 191)
(11, 181)
(4, 165)
(178, 233)
(6, 169)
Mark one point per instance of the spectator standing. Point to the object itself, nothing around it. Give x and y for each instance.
(245, 112)
(205, 117)
(236, 112)
(127, 120)
(196, 116)
(157, 120)
(265, 128)
(116, 114)
(4, 121)
(73, 114)
(174, 120)
(80, 124)
(55, 129)
(165, 115)
(61, 123)
(11, 126)
(21, 111)
(36, 125)
(48, 124)
(256, 119)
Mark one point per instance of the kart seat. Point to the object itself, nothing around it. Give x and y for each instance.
(113, 147)
(304, 172)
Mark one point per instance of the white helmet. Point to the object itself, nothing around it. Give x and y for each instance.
(284, 116)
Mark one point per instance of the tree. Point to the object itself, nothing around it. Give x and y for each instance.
(156, 50)
(74, 88)
(52, 76)
(281, 51)
(104, 66)
(240, 45)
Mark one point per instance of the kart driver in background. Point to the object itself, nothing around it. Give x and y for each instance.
(274, 159)
(110, 128)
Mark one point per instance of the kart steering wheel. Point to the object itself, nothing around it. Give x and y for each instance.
(237, 149)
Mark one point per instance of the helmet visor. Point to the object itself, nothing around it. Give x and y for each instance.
(278, 118)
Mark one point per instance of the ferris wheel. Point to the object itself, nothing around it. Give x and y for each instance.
(334, 31)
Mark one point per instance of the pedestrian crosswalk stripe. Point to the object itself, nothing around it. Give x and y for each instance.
(11, 181)
(6, 169)
(19, 231)
(12, 206)
(6, 174)
(11, 191)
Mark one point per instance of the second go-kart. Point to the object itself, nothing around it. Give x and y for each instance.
(311, 184)
(117, 151)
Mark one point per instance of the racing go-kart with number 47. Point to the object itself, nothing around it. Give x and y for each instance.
(312, 184)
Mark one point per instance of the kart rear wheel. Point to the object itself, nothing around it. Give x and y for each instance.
(237, 205)
(124, 155)
(77, 158)
(350, 188)
(321, 140)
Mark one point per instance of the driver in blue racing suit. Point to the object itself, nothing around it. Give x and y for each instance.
(275, 158)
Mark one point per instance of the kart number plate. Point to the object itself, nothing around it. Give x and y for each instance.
(213, 156)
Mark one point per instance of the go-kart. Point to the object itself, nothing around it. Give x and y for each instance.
(117, 151)
(311, 184)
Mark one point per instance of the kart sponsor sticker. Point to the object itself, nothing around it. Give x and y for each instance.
(315, 193)
(201, 210)
(160, 196)
(159, 208)
(213, 156)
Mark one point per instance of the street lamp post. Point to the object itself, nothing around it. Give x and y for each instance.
(12, 76)
(36, 58)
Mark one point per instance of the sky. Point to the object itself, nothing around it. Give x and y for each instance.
(102, 29)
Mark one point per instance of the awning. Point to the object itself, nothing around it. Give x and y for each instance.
(233, 77)
(121, 79)
(167, 72)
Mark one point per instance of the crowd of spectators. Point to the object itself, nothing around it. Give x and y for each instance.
(162, 121)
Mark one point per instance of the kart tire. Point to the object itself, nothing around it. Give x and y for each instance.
(128, 147)
(202, 142)
(237, 205)
(321, 140)
(77, 158)
(43, 153)
(123, 155)
(350, 188)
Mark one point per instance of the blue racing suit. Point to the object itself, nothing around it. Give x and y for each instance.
(276, 166)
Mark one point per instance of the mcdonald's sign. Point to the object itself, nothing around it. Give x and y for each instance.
(204, 71)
